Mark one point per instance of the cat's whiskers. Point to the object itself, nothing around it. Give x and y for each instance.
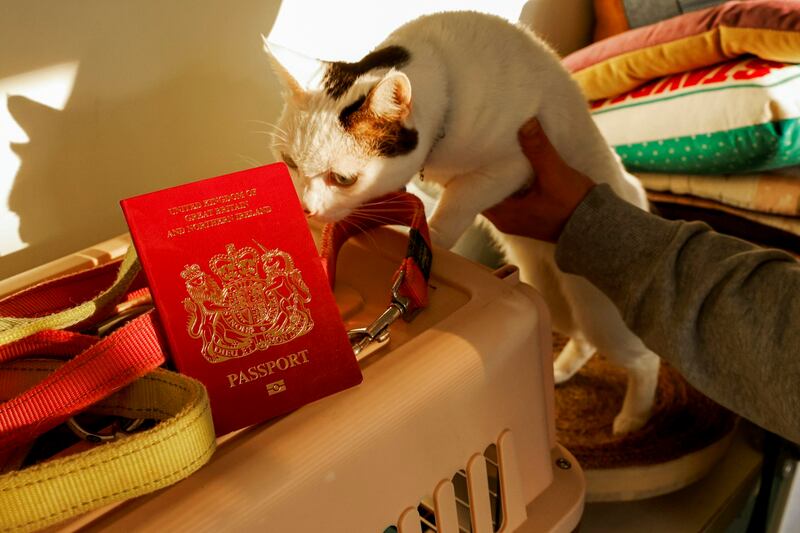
(278, 134)
(277, 140)
(272, 125)
(402, 201)
(360, 215)
(388, 211)
(373, 217)
(365, 231)
(381, 208)
(369, 217)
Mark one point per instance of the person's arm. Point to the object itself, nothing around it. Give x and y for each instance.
(723, 311)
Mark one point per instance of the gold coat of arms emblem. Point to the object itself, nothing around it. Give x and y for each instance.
(251, 300)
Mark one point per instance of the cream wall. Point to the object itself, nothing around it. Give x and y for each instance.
(101, 100)
(140, 95)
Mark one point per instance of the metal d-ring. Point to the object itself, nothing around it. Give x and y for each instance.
(119, 430)
(102, 329)
(113, 322)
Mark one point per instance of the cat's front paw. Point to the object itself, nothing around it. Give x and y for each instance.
(561, 376)
(624, 423)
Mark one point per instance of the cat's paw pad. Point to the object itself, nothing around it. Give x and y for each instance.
(624, 423)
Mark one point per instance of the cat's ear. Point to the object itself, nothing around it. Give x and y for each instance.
(391, 97)
(298, 74)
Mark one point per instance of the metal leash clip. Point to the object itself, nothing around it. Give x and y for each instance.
(125, 312)
(378, 330)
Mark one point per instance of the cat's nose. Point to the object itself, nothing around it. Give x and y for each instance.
(309, 213)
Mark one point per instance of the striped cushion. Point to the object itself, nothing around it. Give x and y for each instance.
(737, 116)
(767, 28)
(762, 192)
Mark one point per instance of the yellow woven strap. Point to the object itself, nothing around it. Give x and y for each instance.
(13, 329)
(133, 465)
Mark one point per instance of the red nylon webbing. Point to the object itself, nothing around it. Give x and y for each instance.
(67, 291)
(58, 343)
(60, 293)
(94, 374)
(399, 208)
(100, 366)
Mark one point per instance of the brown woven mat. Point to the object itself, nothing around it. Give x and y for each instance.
(683, 420)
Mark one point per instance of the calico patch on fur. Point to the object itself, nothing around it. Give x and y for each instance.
(340, 76)
(382, 135)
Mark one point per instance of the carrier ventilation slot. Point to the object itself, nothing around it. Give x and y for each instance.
(463, 503)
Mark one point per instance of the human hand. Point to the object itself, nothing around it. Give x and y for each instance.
(542, 211)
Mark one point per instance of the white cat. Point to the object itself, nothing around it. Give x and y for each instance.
(448, 92)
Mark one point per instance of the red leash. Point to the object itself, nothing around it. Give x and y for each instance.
(410, 281)
(100, 366)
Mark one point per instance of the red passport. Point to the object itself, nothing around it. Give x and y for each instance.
(239, 287)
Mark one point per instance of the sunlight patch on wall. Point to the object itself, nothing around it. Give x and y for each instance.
(347, 29)
(50, 86)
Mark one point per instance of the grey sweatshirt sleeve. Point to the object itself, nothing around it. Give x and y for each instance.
(723, 311)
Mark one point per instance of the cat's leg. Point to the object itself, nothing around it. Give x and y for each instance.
(537, 267)
(642, 366)
(602, 325)
(460, 202)
(573, 356)
(467, 195)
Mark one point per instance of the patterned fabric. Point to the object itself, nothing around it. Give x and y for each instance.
(765, 193)
(751, 148)
(739, 116)
(785, 223)
(769, 29)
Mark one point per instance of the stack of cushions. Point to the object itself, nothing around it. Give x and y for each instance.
(704, 107)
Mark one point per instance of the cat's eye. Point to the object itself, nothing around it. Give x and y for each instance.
(340, 180)
(288, 160)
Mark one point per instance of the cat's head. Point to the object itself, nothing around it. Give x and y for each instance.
(347, 132)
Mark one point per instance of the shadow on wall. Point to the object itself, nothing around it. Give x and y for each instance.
(165, 93)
